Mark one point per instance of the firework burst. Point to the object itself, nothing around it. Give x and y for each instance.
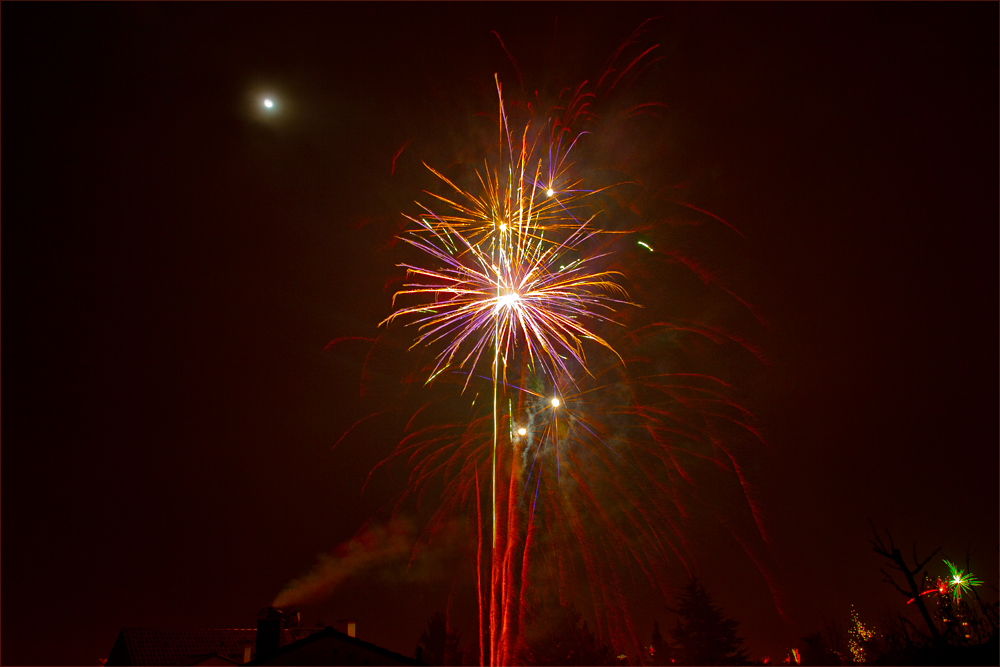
(503, 279)
(506, 268)
(592, 436)
(956, 584)
(959, 582)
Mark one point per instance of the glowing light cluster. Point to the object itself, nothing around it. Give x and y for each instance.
(857, 635)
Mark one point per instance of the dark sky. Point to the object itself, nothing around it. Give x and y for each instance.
(175, 263)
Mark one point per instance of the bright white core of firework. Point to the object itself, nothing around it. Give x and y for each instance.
(508, 300)
(555, 402)
(269, 103)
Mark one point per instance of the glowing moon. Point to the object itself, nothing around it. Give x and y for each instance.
(269, 103)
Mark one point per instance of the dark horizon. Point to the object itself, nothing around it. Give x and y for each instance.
(177, 262)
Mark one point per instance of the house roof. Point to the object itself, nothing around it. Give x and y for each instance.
(183, 646)
(328, 634)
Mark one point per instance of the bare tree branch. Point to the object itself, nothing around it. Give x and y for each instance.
(897, 562)
(888, 579)
(908, 622)
(920, 565)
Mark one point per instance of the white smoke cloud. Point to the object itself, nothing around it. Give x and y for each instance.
(387, 552)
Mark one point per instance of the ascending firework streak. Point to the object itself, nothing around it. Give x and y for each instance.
(507, 274)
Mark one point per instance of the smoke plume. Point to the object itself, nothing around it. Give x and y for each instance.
(387, 552)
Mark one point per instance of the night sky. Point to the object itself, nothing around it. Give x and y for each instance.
(175, 262)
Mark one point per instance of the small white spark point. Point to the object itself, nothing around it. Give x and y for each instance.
(549, 192)
(268, 103)
(555, 402)
(522, 431)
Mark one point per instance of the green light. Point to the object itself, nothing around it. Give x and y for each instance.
(961, 582)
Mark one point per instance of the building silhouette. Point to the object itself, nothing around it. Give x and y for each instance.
(270, 643)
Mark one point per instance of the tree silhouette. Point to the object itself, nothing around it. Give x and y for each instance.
(561, 637)
(817, 652)
(438, 644)
(703, 634)
(897, 562)
(660, 651)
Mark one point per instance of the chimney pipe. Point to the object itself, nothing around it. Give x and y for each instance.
(352, 627)
(268, 634)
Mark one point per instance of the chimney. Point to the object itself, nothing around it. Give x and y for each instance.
(268, 633)
(352, 627)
